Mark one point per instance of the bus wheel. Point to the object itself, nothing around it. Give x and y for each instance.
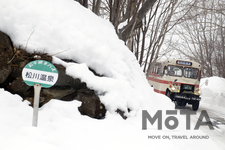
(179, 102)
(168, 94)
(195, 105)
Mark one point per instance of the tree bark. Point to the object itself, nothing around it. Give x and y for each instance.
(136, 21)
(96, 6)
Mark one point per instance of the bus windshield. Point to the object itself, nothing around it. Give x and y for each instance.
(179, 71)
(175, 71)
(190, 73)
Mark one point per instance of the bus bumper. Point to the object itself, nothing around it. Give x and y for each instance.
(187, 97)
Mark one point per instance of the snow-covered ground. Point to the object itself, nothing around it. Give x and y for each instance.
(64, 29)
(213, 100)
(60, 126)
(214, 92)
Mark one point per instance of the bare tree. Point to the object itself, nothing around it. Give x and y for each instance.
(156, 25)
(130, 11)
(83, 2)
(202, 36)
(220, 42)
(145, 25)
(136, 20)
(96, 6)
(161, 26)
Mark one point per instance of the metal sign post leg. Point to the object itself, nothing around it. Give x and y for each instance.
(37, 90)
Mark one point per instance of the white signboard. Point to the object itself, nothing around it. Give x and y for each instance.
(39, 73)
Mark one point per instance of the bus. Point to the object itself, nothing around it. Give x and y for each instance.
(177, 79)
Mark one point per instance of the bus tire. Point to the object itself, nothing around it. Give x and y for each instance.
(178, 102)
(168, 94)
(195, 105)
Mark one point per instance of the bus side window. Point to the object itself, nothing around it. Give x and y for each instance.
(161, 71)
(153, 71)
(158, 70)
(165, 70)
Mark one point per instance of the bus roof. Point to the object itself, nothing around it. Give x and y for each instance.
(180, 62)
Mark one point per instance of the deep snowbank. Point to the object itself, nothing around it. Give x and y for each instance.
(214, 93)
(65, 29)
(60, 25)
(60, 126)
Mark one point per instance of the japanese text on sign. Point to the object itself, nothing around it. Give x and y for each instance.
(184, 63)
(40, 62)
(37, 76)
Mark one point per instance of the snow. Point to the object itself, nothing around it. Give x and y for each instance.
(64, 29)
(214, 92)
(67, 30)
(60, 126)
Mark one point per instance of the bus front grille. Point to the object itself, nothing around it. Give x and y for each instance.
(186, 87)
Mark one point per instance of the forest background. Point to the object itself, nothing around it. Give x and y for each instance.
(155, 29)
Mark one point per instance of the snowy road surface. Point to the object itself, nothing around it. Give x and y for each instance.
(217, 118)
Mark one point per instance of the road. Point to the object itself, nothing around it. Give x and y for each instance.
(217, 117)
(217, 120)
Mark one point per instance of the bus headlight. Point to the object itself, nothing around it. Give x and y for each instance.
(173, 88)
(199, 92)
